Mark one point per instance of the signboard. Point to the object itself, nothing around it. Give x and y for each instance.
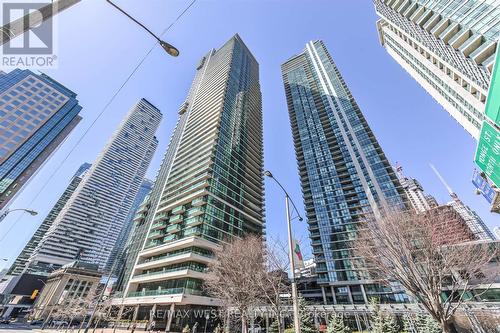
(488, 152)
(34, 294)
(483, 187)
(492, 109)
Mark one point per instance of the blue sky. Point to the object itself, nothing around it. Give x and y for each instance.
(98, 47)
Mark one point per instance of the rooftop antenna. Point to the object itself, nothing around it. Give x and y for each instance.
(399, 170)
(452, 194)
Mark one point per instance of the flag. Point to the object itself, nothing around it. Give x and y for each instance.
(298, 260)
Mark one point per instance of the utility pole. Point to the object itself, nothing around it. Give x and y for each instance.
(295, 295)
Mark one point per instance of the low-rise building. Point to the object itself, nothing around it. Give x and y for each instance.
(19, 293)
(76, 280)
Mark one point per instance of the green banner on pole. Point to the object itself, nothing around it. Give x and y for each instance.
(488, 152)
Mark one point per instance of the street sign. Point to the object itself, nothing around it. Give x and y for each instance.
(488, 152)
(483, 186)
(492, 109)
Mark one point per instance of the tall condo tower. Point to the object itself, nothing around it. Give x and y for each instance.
(36, 115)
(209, 188)
(90, 223)
(19, 265)
(448, 47)
(124, 237)
(343, 170)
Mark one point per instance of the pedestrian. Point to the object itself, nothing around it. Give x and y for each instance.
(195, 326)
(133, 327)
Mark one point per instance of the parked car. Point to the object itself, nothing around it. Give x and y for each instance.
(60, 323)
(5, 321)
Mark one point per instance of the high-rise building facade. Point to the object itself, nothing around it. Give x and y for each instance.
(344, 173)
(213, 187)
(448, 47)
(419, 200)
(473, 220)
(145, 214)
(36, 115)
(124, 237)
(90, 223)
(19, 264)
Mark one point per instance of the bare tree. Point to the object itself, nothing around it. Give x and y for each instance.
(121, 311)
(231, 277)
(76, 309)
(103, 312)
(273, 278)
(421, 252)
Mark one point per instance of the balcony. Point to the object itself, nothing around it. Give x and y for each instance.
(168, 274)
(153, 243)
(195, 211)
(156, 292)
(196, 231)
(175, 219)
(156, 234)
(160, 216)
(170, 270)
(178, 210)
(198, 202)
(176, 253)
(173, 228)
(169, 291)
(158, 225)
(194, 221)
(170, 238)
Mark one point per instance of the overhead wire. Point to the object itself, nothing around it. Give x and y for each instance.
(99, 115)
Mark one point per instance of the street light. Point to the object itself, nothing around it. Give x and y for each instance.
(170, 49)
(8, 211)
(295, 295)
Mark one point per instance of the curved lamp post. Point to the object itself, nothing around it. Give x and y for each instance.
(295, 295)
(8, 211)
(170, 49)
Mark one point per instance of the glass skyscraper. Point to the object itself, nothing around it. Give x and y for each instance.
(36, 115)
(210, 185)
(344, 173)
(19, 265)
(128, 227)
(90, 223)
(448, 47)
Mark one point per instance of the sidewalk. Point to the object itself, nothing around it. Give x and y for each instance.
(97, 330)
